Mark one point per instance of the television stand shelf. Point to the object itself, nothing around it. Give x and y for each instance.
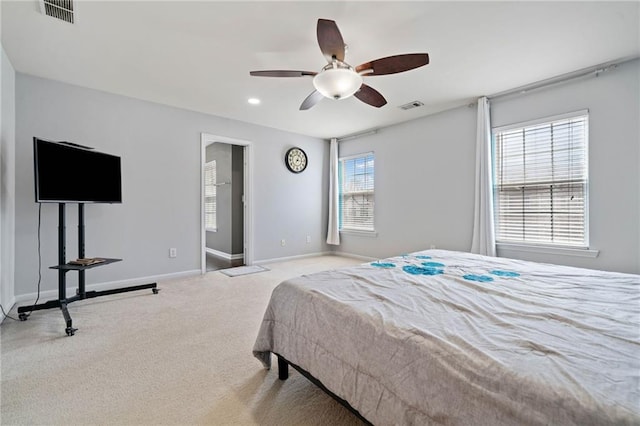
(63, 267)
(75, 267)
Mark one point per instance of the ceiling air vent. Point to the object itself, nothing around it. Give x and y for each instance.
(59, 9)
(411, 105)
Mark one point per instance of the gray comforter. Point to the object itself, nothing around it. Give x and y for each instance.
(440, 337)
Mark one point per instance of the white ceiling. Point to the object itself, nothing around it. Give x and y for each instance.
(197, 55)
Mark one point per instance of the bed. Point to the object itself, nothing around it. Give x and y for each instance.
(443, 337)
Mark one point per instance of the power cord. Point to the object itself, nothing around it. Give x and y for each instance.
(24, 316)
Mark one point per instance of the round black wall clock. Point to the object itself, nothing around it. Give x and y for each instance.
(296, 160)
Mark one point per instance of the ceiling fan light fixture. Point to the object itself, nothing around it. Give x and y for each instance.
(337, 83)
(338, 79)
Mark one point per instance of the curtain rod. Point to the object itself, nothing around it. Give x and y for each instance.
(357, 135)
(595, 70)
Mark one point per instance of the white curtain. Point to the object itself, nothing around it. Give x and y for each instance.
(484, 240)
(333, 236)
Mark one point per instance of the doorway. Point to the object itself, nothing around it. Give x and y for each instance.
(225, 207)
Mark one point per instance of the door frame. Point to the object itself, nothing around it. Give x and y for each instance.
(205, 140)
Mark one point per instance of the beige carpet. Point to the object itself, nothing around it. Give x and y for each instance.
(180, 357)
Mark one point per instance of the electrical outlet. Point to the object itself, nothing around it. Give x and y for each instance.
(283, 243)
(173, 252)
(308, 239)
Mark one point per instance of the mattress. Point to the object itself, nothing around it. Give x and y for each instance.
(442, 337)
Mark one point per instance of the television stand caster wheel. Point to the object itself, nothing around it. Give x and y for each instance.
(23, 316)
(70, 331)
(155, 290)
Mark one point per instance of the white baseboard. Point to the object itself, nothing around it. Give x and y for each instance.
(7, 308)
(322, 253)
(53, 294)
(284, 259)
(223, 255)
(355, 256)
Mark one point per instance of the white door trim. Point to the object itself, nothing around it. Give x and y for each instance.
(205, 140)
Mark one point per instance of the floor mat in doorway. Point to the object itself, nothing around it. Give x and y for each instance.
(243, 270)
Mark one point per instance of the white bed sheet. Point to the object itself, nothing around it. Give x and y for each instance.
(552, 345)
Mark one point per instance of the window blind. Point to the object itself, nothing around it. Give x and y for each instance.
(210, 190)
(356, 202)
(541, 182)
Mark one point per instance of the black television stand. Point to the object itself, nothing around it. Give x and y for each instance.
(63, 267)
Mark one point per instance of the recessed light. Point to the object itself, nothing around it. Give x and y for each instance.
(253, 101)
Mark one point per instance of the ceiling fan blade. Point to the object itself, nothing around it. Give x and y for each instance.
(394, 64)
(281, 73)
(330, 40)
(371, 96)
(311, 100)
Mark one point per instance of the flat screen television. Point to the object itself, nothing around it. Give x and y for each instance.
(70, 173)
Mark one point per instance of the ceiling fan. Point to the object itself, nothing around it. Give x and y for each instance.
(338, 79)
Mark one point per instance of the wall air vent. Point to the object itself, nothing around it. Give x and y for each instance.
(59, 9)
(411, 105)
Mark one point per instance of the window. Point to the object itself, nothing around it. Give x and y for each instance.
(356, 192)
(540, 181)
(210, 196)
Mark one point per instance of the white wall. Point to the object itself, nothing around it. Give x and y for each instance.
(424, 179)
(160, 148)
(425, 173)
(7, 181)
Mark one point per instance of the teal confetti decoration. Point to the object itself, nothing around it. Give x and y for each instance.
(433, 264)
(423, 257)
(383, 265)
(479, 278)
(509, 274)
(418, 270)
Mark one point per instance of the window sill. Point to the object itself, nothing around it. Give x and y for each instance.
(211, 229)
(579, 252)
(371, 234)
